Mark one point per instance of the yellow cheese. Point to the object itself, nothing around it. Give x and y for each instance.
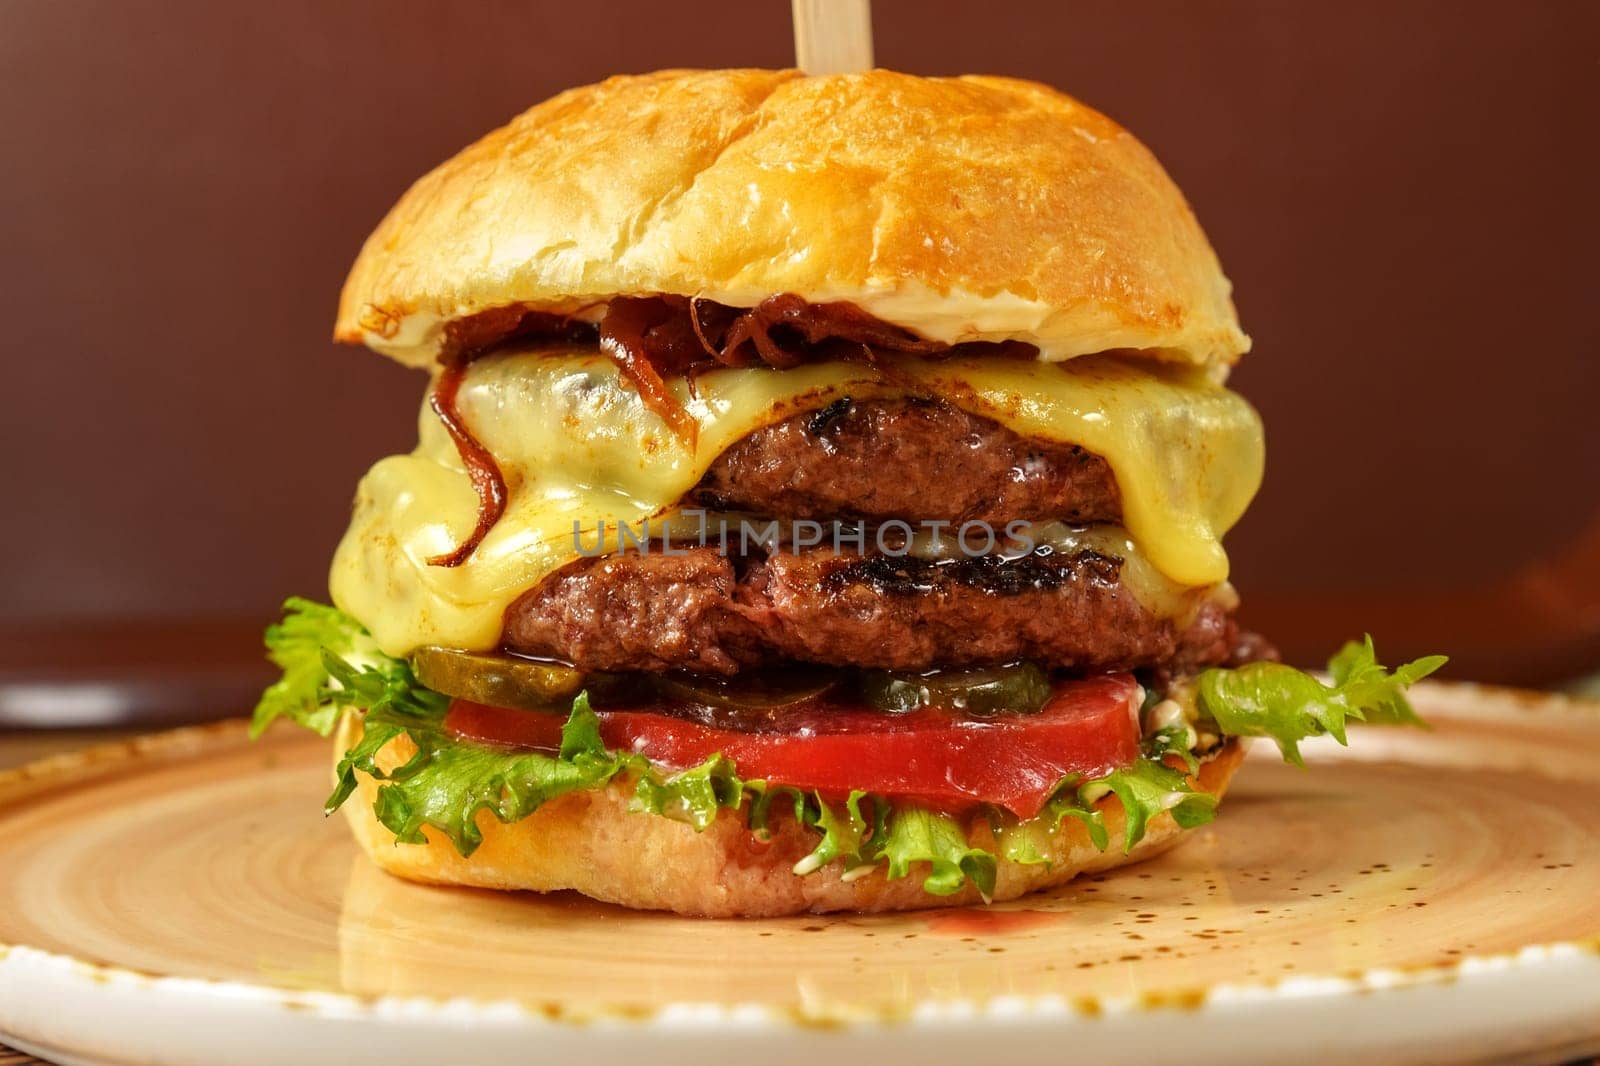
(577, 447)
(1188, 454)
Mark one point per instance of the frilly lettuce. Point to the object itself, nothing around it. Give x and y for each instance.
(331, 666)
(329, 663)
(1278, 701)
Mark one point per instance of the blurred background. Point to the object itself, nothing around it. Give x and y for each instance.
(1402, 192)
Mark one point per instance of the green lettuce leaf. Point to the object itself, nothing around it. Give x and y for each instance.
(374, 736)
(694, 796)
(448, 782)
(331, 666)
(330, 663)
(844, 834)
(916, 835)
(1173, 740)
(1278, 701)
(1029, 841)
(1379, 694)
(1145, 790)
(1149, 787)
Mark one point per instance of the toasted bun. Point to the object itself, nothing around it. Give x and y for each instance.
(972, 208)
(590, 842)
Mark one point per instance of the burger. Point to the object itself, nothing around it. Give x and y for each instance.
(818, 505)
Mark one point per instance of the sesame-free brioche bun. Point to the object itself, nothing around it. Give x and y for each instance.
(590, 842)
(971, 208)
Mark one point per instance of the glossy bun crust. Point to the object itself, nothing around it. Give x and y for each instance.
(590, 842)
(972, 208)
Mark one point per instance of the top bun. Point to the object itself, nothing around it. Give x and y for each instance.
(971, 208)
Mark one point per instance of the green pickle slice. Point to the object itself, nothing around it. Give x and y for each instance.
(526, 684)
(496, 680)
(760, 690)
(1017, 688)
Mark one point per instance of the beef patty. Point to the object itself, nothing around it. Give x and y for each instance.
(698, 612)
(909, 459)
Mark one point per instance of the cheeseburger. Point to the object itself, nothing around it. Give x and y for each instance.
(818, 505)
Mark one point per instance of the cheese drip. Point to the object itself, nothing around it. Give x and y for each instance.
(577, 447)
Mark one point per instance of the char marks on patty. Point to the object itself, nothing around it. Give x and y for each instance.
(696, 611)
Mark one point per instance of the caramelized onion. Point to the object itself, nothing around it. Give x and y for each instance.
(812, 324)
(625, 335)
(650, 337)
(483, 471)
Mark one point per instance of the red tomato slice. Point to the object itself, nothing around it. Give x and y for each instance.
(1088, 727)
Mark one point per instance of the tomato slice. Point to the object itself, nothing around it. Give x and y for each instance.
(1087, 727)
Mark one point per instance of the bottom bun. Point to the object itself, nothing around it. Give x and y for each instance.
(591, 843)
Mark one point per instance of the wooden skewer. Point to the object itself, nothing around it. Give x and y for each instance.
(833, 36)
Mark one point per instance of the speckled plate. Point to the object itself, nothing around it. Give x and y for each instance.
(1426, 896)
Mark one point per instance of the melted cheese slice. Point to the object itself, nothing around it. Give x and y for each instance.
(577, 448)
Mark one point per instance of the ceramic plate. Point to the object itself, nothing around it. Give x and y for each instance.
(1422, 895)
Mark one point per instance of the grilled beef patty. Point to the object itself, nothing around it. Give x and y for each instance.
(699, 612)
(908, 459)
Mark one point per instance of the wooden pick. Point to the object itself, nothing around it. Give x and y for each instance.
(833, 36)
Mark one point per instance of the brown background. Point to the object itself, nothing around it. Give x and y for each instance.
(1402, 193)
